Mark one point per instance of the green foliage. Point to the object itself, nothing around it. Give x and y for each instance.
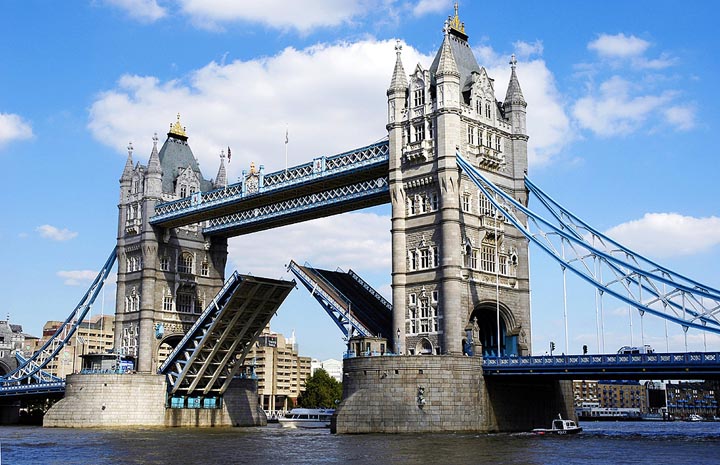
(321, 390)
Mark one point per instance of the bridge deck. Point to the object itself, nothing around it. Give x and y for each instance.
(214, 349)
(615, 366)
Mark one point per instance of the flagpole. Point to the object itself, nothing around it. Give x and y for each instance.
(286, 149)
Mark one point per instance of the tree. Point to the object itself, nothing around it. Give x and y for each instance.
(321, 390)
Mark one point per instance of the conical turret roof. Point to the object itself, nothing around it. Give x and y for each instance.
(514, 92)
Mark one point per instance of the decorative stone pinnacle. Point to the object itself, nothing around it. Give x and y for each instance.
(130, 148)
(398, 46)
(222, 154)
(513, 61)
(446, 26)
(155, 139)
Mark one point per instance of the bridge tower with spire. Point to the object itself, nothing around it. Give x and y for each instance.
(166, 276)
(456, 264)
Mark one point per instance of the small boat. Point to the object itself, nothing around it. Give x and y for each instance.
(560, 427)
(307, 418)
(695, 417)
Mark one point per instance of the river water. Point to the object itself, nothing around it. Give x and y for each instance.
(633, 443)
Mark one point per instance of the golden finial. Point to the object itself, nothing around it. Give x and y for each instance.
(252, 167)
(177, 128)
(455, 21)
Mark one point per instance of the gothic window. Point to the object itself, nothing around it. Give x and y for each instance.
(478, 106)
(167, 301)
(435, 295)
(419, 131)
(486, 207)
(487, 111)
(413, 260)
(431, 130)
(205, 268)
(424, 204)
(135, 187)
(165, 263)
(418, 97)
(186, 263)
(466, 202)
(488, 139)
(132, 301)
(487, 258)
(497, 143)
(412, 298)
(434, 201)
(406, 135)
(435, 257)
(185, 302)
(183, 191)
(470, 134)
(425, 259)
(413, 320)
(411, 205)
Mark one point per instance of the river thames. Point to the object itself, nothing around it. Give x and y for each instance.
(601, 443)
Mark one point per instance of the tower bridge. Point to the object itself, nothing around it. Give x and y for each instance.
(455, 339)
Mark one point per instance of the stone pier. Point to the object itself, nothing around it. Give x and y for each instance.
(128, 400)
(412, 394)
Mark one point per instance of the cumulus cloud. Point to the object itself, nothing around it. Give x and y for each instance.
(618, 46)
(616, 111)
(56, 234)
(547, 122)
(278, 14)
(424, 7)
(668, 234)
(77, 277)
(13, 127)
(331, 97)
(357, 240)
(142, 10)
(682, 117)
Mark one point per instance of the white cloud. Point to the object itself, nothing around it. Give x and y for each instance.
(547, 123)
(682, 117)
(618, 46)
(614, 111)
(524, 50)
(668, 234)
(332, 98)
(279, 14)
(357, 240)
(424, 7)
(13, 127)
(142, 10)
(77, 277)
(51, 232)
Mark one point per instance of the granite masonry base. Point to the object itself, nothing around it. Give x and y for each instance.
(411, 394)
(128, 400)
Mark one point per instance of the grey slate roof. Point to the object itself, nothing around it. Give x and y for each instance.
(464, 60)
(175, 155)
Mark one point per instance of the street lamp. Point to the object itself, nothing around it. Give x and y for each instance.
(397, 345)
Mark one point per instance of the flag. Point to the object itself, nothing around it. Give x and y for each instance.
(228, 154)
(286, 136)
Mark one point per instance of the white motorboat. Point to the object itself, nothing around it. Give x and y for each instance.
(307, 418)
(559, 427)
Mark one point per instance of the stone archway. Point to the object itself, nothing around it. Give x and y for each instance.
(486, 315)
(424, 347)
(166, 346)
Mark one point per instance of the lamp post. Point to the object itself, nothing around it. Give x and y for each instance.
(397, 343)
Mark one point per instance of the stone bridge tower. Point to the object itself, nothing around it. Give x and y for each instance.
(456, 263)
(165, 276)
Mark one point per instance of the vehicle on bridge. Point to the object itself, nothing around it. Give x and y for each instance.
(629, 350)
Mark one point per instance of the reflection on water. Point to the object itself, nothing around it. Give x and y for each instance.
(601, 443)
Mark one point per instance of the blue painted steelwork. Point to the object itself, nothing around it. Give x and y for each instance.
(21, 390)
(30, 371)
(321, 170)
(685, 303)
(336, 305)
(325, 203)
(614, 366)
(213, 350)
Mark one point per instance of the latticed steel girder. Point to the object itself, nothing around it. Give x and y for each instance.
(335, 305)
(320, 175)
(324, 203)
(604, 263)
(31, 370)
(215, 347)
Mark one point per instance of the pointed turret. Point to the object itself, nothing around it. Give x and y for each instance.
(154, 161)
(399, 80)
(221, 179)
(514, 94)
(127, 172)
(447, 64)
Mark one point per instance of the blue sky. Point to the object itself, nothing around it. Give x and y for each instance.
(622, 116)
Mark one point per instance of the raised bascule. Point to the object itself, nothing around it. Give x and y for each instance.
(451, 352)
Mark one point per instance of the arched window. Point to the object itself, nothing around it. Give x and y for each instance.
(186, 263)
